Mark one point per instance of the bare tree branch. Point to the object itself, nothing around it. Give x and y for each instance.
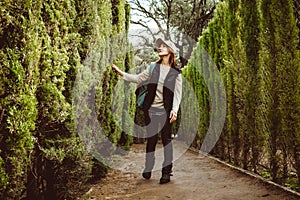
(189, 17)
(150, 15)
(146, 27)
(146, 40)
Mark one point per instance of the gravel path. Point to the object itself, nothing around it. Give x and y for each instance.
(196, 177)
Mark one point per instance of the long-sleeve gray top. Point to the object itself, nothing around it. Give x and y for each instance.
(158, 100)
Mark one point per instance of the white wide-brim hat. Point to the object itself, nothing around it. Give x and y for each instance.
(170, 44)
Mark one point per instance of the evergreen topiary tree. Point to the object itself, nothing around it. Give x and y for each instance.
(250, 38)
(279, 68)
(43, 45)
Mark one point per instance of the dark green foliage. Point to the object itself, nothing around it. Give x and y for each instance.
(42, 46)
(253, 141)
(194, 73)
(18, 115)
(232, 58)
(254, 45)
(18, 104)
(280, 72)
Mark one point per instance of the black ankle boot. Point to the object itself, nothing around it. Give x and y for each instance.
(146, 174)
(165, 178)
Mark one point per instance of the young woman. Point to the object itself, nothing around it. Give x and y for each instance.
(161, 103)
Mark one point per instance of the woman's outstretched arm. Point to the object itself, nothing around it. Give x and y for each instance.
(136, 78)
(117, 70)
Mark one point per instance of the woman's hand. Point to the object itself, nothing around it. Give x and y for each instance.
(116, 69)
(172, 117)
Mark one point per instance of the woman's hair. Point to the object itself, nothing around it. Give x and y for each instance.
(172, 60)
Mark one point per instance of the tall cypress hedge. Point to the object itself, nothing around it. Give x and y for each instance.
(250, 38)
(280, 70)
(43, 44)
(254, 45)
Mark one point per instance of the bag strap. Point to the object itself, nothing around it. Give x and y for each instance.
(152, 65)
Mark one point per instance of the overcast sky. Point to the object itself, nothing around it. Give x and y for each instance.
(151, 24)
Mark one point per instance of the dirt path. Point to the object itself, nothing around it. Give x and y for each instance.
(195, 178)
